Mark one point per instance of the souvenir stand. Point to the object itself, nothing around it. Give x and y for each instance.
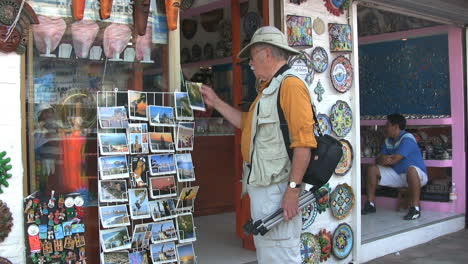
(322, 31)
(146, 197)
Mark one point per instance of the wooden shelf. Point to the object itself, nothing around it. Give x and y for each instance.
(208, 62)
(207, 8)
(410, 122)
(429, 163)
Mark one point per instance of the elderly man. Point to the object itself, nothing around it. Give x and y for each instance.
(271, 179)
(400, 164)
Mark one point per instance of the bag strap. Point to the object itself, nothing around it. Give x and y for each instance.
(284, 125)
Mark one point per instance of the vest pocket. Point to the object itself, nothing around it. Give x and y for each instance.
(274, 163)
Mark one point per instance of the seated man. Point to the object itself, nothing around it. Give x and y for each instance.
(400, 164)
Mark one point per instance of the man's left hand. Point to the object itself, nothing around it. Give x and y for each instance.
(291, 203)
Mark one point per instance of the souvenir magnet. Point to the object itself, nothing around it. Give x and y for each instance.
(47, 247)
(51, 203)
(69, 243)
(34, 244)
(58, 245)
(33, 230)
(69, 202)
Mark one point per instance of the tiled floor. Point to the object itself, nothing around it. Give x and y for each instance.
(217, 242)
(388, 222)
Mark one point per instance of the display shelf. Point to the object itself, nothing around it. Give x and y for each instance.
(205, 63)
(429, 163)
(194, 11)
(410, 122)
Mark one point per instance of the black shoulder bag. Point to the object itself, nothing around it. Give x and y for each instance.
(323, 159)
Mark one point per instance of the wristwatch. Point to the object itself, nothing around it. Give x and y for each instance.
(294, 185)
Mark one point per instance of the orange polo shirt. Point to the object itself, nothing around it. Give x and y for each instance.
(295, 102)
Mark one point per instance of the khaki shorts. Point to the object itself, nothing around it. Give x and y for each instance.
(282, 243)
(390, 178)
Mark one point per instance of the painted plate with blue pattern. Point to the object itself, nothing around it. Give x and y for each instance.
(341, 74)
(342, 201)
(341, 118)
(310, 249)
(343, 241)
(323, 124)
(309, 213)
(319, 59)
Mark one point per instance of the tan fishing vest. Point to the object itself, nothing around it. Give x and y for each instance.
(269, 158)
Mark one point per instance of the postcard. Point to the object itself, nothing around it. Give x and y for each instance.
(161, 116)
(114, 167)
(187, 198)
(137, 102)
(138, 138)
(114, 216)
(138, 200)
(141, 235)
(186, 254)
(139, 171)
(163, 253)
(161, 187)
(67, 228)
(185, 169)
(186, 228)
(138, 257)
(164, 232)
(185, 136)
(78, 228)
(112, 191)
(115, 257)
(113, 143)
(137, 240)
(163, 209)
(196, 98)
(162, 164)
(58, 232)
(183, 108)
(161, 142)
(113, 117)
(115, 239)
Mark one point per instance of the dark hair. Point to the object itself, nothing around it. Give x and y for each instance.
(397, 119)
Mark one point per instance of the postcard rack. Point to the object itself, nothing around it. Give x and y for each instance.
(146, 197)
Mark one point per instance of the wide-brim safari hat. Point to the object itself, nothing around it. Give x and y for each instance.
(267, 35)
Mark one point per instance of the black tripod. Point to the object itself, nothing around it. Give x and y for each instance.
(264, 225)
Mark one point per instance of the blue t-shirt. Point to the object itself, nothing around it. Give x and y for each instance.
(406, 146)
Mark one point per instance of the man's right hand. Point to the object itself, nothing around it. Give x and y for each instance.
(209, 96)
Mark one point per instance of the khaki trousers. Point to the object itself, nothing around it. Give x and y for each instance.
(281, 244)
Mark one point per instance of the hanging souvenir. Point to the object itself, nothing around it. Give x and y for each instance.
(106, 8)
(309, 213)
(116, 38)
(341, 74)
(323, 202)
(346, 161)
(4, 168)
(6, 221)
(208, 51)
(324, 125)
(302, 64)
(210, 20)
(341, 118)
(172, 13)
(252, 21)
(47, 34)
(78, 7)
(196, 52)
(299, 30)
(14, 30)
(343, 241)
(319, 90)
(189, 28)
(319, 26)
(325, 240)
(186, 4)
(336, 7)
(143, 46)
(310, 249)
(340, 37)
(319, 59)
(342, 201)
(83, 34)
(141, 9)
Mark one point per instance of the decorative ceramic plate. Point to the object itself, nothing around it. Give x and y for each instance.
(341, 118)
(323, 203)
(252, 21)
(310, 249)
(346, 161)
(319, 59)
(309, 213)
(319, 26)
(341, 74)
(325, 240)
(336, 7)
(302, 64)
(324, 125)
(343, 240)
(189, 28)
(6, 221)
(185, 55)
(4, 261)
(186, 4)
(196, 52)
(342, 201)
(208, 51)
